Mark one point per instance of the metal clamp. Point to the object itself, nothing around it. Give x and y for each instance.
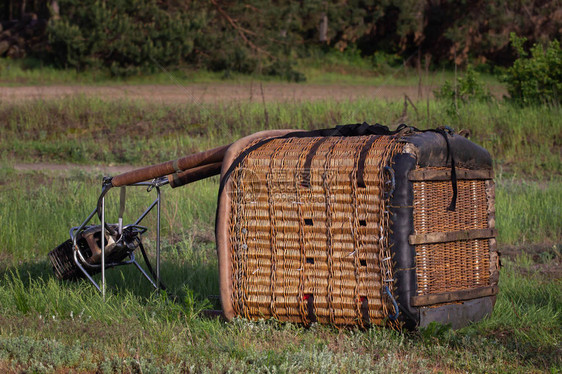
(391, 182)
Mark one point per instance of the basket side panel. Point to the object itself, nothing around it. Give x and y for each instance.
(306, 241)
(223, 218)
(455, 265)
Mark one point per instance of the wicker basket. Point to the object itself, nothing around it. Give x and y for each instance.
(355, 229)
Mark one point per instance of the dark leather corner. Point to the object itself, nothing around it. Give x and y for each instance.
(402, 226)
(458, 314)
(432, 151)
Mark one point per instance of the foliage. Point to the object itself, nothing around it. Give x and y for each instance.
(467, 88)
(249, 37)
(126, 37)
(386, 63)
(479, 30)
(523, 141)
(535, 78)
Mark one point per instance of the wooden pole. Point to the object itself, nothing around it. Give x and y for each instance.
(160, 170)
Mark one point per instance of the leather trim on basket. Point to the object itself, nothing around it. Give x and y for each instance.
(461, 295)
(427, 174)
(430, 149)
(402, 225)
(452, 236)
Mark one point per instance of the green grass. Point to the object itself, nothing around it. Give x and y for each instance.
(68, 326)
(159, 332)
(47, 325)
(524, 142)
(56, 204)
(332, 68)
(33, 72)
(529, 212)
(526, 212)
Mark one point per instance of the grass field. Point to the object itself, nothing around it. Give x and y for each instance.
(328, 69)
(49, 326)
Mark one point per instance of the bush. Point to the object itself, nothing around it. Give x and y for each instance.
(126, 37)
(537, 78)
(467, 88)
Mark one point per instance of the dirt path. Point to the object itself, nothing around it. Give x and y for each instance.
(208, 93)
(66, 168)
(203, 93)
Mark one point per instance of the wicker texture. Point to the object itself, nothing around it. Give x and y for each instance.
(458, 265)
(298, 235)
(432, 198)
(453, 266)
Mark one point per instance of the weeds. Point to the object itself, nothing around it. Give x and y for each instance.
(170, 334)
(465, 89)
(529, 212)
(523, 141)
(522, 335)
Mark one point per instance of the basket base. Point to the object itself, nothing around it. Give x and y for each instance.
(458, 314)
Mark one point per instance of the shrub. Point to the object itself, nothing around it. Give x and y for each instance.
(537, 78)
(126, 37)
(467, 88)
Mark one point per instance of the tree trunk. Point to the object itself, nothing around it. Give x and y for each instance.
(323, 32)
(55, 11)
(22, 9)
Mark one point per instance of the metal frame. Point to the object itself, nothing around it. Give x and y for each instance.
(81, 261)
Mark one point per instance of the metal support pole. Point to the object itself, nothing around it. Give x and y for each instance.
(103, 248)
(158, 238)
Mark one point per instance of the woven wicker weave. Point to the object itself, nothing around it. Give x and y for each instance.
(354, 229)
(456, 265)
(298, 234)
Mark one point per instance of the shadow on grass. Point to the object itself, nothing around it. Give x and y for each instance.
(526, 323)
(180, 275)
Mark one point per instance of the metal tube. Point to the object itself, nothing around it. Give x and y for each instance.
(77, 262)
(103, 248)
(194, 175)
(82, 263)
(163, 169)
(133, 261)
(158, 198)
(74, 238)
(76, 230)
(145, 213)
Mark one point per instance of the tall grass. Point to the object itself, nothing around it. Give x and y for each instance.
(159, 333)
(523, 141)
(37, 210)
(529, 212)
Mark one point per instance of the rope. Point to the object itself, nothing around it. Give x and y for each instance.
(394, 303)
